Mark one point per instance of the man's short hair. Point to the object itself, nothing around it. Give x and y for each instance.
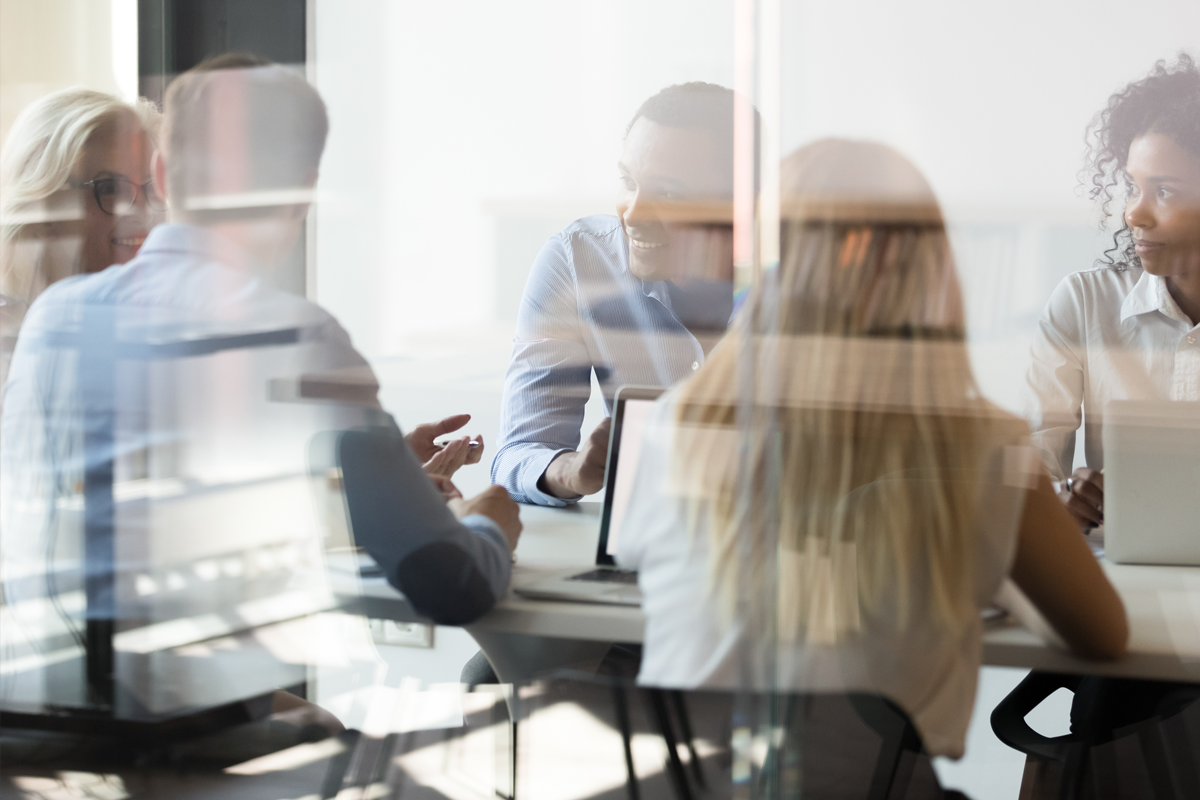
(689, 105)
(696, 105)
(235, 60)
(241, 109)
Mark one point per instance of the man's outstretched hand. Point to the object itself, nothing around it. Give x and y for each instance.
(446, 461)
(582, 472)
(439, 460)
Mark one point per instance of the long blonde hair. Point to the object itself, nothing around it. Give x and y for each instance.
(44, 144)
(827, 438)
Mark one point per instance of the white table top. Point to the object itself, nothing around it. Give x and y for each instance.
(1163, 605)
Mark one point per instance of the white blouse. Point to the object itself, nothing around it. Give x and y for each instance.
(1113, 333)
(688, 646)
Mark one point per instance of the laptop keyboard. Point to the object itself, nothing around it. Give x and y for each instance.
(607, 576)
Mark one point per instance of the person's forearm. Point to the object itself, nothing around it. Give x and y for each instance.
(1058, 573)
(446, 581)
(559, 477)
(451, 571)
(519, 468)
(492, 552)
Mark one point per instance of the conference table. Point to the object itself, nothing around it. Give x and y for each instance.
(524, 638)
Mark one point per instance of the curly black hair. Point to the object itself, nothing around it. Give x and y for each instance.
(1167, 101)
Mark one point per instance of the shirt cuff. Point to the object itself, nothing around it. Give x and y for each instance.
(498, 570)
(532, 472)
(486, 526)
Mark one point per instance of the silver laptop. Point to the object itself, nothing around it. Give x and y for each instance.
(1152, 482)
(605, 583)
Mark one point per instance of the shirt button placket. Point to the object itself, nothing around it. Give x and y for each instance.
(1185, 383)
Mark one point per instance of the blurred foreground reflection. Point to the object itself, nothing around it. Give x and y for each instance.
(173, 436)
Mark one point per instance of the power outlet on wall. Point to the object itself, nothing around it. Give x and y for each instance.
(402, 634)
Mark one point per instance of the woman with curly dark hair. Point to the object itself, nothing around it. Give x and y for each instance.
(1127, 329)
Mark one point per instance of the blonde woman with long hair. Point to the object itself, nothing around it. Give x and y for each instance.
(75, 193)
(829, 503)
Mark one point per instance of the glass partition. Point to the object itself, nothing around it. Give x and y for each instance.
(567, 399)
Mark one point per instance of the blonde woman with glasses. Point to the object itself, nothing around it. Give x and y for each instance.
(829, 503)
(76, 194)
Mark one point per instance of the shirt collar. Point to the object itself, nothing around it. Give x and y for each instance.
(659, 290)
(1150, 294)
(656, 289)
(193, 240)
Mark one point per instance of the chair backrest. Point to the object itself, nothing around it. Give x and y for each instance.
(1103, 711)
(587, 727)
(833, 744)
(857, 745)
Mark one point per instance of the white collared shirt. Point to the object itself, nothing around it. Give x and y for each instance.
(1113, 333)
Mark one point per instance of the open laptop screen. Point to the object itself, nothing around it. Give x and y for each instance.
(630, 414)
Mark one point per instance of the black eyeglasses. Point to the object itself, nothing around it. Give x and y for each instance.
(117, 196)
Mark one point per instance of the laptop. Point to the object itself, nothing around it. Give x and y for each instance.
(606, 583)
(1152, 482)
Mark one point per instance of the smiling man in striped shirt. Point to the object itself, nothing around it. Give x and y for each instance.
(637, 298)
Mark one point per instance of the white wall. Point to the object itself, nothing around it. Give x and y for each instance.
(450, 119)
(471, 104)
(46, 45)
(990, 99)
(465, 133)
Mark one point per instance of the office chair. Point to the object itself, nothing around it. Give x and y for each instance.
(899, 762)
(1065, 767)
(820, 745)
(821, 742)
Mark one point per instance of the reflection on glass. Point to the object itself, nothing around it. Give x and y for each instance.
(187, 449)
(209, 518)
(157, 520)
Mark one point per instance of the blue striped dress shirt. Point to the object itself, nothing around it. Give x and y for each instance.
(150, 330)
(582, 311)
